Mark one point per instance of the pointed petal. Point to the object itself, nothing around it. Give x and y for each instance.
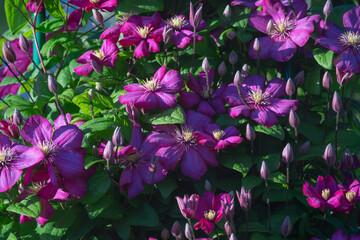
(166, 100)
(282, 107)
(351, 19)
(131, 181)
(8, 177)
(36, 130)
(68, 137)
(70, 164)
(172, 82)
(28, 158)
(60, 121)
(192, 164)
(170, 156)
(141, 50)
(189, 99)
(264, 117)
(276, 88)
(153, 45)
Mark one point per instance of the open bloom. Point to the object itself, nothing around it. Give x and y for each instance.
(88, 5)
(286, 31)
(159, 91)
(344, 199)
(264, 104)
(209, 101)
(347, 43)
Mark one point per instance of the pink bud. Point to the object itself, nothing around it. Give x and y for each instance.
(336, 102)
(188, 231)
(165, 235)
(8, 52)
(188, 205)
(327, 10)
(198, 16)
(222, 69)
(108, 151)
(290, 87)
(166, 35)
(287, 154)
(205, 65)
(347, 159)
(270, 27)
(342, 78)
(96, 64)
(329, 155)
(228, 208)
(327, 80)
(118, 137)
(244, 199)
(237, 79)
(264, 170)
(52, 84)
(232, 237)
(227, 11)
(286, 227)
(294, 119)
(24, 43)
(245, 71)
(304, 148)
(133, 113)
(17, 117)
(91, 94)
(229, 228)
(191, 14)
(250, 133)
(231, 35)
(98, 16)
(257, 46)
(299, 78)
(176, 230)
(233, 58)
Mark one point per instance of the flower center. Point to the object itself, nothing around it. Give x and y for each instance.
(185, 136)
(210, 215)
(206, 94)
(133, 158)
(99, 54)
(36, 187)
(144, 31)
(325, 194)
(95, 1)
(177, 22)
(6, 156)
(218, 134)
(46, 147)
(350, 196)
(257, 97)
(351, 39)
(282, 28)
(151, 84)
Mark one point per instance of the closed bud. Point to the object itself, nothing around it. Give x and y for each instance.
(327, 10)
(231, 35)
(17, 118)
(98, 16)
(244, 199)
(299, 78)
(336, 102)
(176, 230)
(290, 87)
(222, 69)
(188, 231)
(264, 170)
(257, 46)
(8, 53)
(191, 14)
(270, 27)
(227, 11)
(198, 15)
(228, 208)
(286, 227)
(96, 64)
(153, 163)
(233, 58)
(166, 35)
(165, 234)
(207, 185)
(133, 113)
(91, 94)
(118, 137)
(237, 79)
(108, 151)
(232, 237)
(304, 148)
(327, 80)
(229, 228)
(294, 119)
(329, 154)
(245, 71)
(205, 65)
(287, 154)
(24, 43)
(347, 159)
(250, 133)
(52, 84)
(98, 86)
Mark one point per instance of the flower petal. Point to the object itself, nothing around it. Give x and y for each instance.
(36, 130)
(264, 117)
(351, 19)
(282, 107)
(70, 164)
(141, 50)
(172, 82)
(170, 156)
(68, 137)
(189, 99)
(8, 177)
(28, 158)
(192, 164)
(131, 181)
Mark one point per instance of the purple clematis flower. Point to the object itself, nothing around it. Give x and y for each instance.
(347, 43)
(287, 32)
(9, 129)
(340, 235)
(265, 102)
(143, 31)
(209, 101)
(345, 198)
(13, 159)
(88, 5)
(114, 32)
(106, 56)
(252, 4)
(62, 151)
(159, 91)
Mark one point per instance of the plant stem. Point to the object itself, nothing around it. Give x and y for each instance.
(247, 224)
(336, 133)
(92, 109)
(193, 56)
(60, 108)
(268, 202)
(10, 198)
(22, 76)
(4, 102)
(327, 113)
(287, 185)
(252, 152)
(193, 234)
(242, 99)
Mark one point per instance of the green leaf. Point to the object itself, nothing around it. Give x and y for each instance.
(169, 116)
(95, 209)
(30, 206)
(275, 131)
(144, 215)
(24, 106)
(98, 185)
(312, 81)
(11, 237)
(100, 102)
(272, 160)
(250, 181)
(166, 187)
(241, 163)
(278, 177)
(254, 227)
(324, 57)
(8, 81)
(346, 138)
(91, 160)
(122, 229)
(55, 9)
(311, 132)
(97, 125)
(48, 46)
(50, 25)
(140, 6)
(15, 20)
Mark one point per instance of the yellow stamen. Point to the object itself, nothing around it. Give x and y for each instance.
(257, 97)
(210, 215)
(325, 194)
(177, 22)
(218, 134)
(99, 54)
(144, 31)
(350, 196)
(351, 39)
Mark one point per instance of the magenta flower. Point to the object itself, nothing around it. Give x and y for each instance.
(347, 43)
(340, 235)
(209, 211)
(159, 91)
(286, 33)
(13, 159)
(88, 5)
(209, 101)
(217, 138)
(324, 191)
(60, 121)
(34, 6)
(114, 32)
(265, 102)
(344, 199)
(62, 151)
(252, 4)
(143, 32)
(106, 56)
(9, 129)
(188, 205)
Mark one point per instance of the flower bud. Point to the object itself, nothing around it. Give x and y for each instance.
(205, 65)
(17, 118)
(8, 52)
(98, 86)
(245, 71)
(264, 170)
(188, 231)
(153, 163)
(227, 11)
(166, 35)
(231, 35)
(329, 155)
(336, 102)
(270, 27)
(347, 159)
(132, 113)
(287, 154)
(118, 137)
(52, 84)
(327, 80)
(188, 205)
(24, 43)
(304, 148)
(299, 78)
(286, 227)
(222, 69)
(198, 15)
(250, 133)
(290, 87)
(233, 58)
(96, 64)
(91, 94)
(98, 16)
(342, 80)
(165, 234)
(232, 237)
(176, 230)
(294, 119)
(237, 79)
(207, 185)
(108, 151)
(228, 208)
(229, 228)
(327, 8)
(257, 46)
(244, 199)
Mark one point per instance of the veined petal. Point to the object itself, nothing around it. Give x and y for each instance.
(264, 117)
(351, 19)
(28, 158)
(36, 130)
(166, 100)
(282, 107)
(131, 181)
(141, 50)
(192, 164)
(68, 137)
(8, 177)
(172, 82)
(70, 164)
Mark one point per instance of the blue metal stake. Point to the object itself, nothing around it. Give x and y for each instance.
(39, 36)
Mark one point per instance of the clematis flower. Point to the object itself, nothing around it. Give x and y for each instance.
(340, 235)
(218, 138)
(344, 199)
(324, 191)
(286, 33)
(88, 5)
(209, 211)
(159, 91)
(188, 205)
(143, 32)
(264, 101)
(34, 6)
(60, 121)
(114, 32)
(209, 101)
(106, 56)
(9, 129)
(252, 4)
(13, 159)
(347, 43)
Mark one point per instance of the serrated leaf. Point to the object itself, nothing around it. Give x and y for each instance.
(275, 131)
(169, 116)
(30, 206)
(324, 57)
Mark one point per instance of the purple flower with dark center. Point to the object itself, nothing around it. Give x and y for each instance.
(347, 43)
(13, 159)
(286, 31)
(217, 138)
(88, 5)
(264, 101)
(159, 91)
(62, 151)
(143, 32)
(105, 56)
(209, 101)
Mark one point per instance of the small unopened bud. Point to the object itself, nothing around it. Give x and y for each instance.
(132, 112)
(264, 170)
(244, 199)
(329, 154)
(118, 137)
(327, 80)
(108, 151)
(232, 237)
(198, 15)
(8, 52)
(231, 35)
(294, 119)
(96, 64)
(290, 87)
(257, 46)
(98, 86)
(250, 133)
(233, 58)
(191, 14)
(166, 35)
(17, 118)
(286, 227)
(98, 16)
(91, 94)
(228, 208)
(165, 234)
(205, 65)
(299, 78)
(24, 43)
(222, 69)
(327, 10)
(231, 194)
(336, 102)
(245, 71)
(52, 84)
(176, 230)
(347, 159)
(287, 154)
(229, 228)
(270, 27)
(237, 79)
(304, 148)
(153, 163)
(188, 231)
(227, 11)
(207, 185)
